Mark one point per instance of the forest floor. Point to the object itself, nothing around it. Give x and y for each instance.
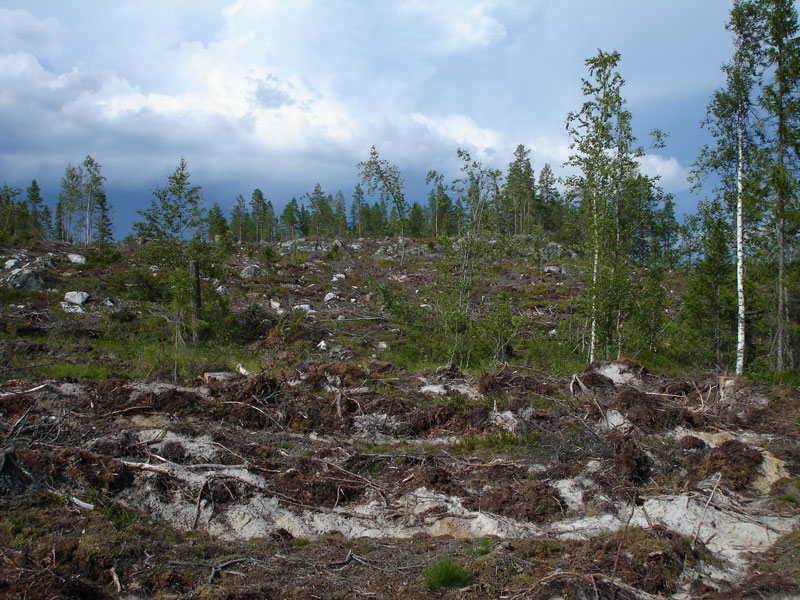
(332, 470)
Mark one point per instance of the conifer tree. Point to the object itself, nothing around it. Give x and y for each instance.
(780, 102)
(33, 197)
(103, 227)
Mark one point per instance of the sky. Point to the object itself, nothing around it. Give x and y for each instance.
(280, 94)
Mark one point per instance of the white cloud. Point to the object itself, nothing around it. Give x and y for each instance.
(672, 175)
(461, 130)
(458, 26)
(19, 30)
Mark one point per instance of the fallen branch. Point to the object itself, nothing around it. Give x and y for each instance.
(705, 509)
(36, 389)
(197, 504)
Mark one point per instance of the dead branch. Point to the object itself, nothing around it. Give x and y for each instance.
(705, 509)
(197, 504)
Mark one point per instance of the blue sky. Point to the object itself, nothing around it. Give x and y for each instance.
(280, 95)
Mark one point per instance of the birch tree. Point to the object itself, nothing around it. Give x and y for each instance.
(732, 157)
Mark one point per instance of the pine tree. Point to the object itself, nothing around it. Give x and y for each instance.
(103, 227)
(70, 199)
(217, 224)
(175, 211)
(92, 188)
(33, 197)
(240, 219)
(356, 210)
(520, 188)
(258, 207)
(289, 218)
(340, 214)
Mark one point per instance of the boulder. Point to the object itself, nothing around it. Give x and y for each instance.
(554, 270)
(76, 259)
(12, 263)
(252, 271)
(25, 279)
(45, 261)
(77, 298)
(330, 296)
(70, 308)
(222, 290)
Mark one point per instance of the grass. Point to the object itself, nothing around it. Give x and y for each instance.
(300, 542)
(482, 547)
(444, 574)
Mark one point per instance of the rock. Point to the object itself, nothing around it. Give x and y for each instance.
(338, 277)
(78, 298)
(76, 259)
(616, 420)
(554, 270)
(222, 290)
(70, 308)
(322, 345)
(252, 271)
(329, 297)
(383, 346)
(619, 372)
(306, 308)
(551, 250)
(25, 279)
(12, 263)
(45, 261)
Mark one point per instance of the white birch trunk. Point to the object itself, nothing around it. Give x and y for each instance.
(740, 339)
(595, 266)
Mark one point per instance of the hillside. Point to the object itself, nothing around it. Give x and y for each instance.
(340, 429)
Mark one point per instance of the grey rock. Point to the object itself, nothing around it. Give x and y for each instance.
(12, 263)
(252, 271)
(222, 290)
(77, 298)
(70, 308)
(25, 279)
(554, 270)
(76, 259)
(45, 261)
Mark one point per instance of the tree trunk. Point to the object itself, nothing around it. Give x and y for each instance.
(740, 341)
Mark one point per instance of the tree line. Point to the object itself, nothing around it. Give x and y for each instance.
(735, 261)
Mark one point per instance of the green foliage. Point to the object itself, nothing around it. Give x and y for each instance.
(444, 573)
(174, 211)
(300, 542)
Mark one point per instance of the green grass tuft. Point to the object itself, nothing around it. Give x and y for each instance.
(443, 574)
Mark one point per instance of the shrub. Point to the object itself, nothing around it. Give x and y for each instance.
(444, 573)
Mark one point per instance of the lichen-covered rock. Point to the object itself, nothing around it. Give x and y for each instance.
(252, 271)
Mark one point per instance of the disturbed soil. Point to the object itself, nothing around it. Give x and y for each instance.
(343, 475)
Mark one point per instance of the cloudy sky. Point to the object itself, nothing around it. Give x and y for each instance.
(281, 94)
